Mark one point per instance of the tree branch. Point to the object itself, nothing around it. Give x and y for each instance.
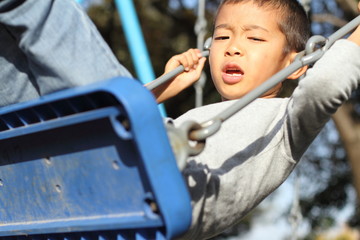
(349, 131)
(349, 6)
(329, 18)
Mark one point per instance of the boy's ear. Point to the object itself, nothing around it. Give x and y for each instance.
(298, 73)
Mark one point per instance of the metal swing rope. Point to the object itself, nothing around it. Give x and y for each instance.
(200, 30)
(189, 138)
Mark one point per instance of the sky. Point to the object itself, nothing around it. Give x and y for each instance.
(188, 3)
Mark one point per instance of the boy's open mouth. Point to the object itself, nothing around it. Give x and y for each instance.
(233, 69)
(232, 73)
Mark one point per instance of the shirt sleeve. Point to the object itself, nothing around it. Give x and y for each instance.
(326, 86)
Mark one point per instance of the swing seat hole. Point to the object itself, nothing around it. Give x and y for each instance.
(151, 208)
(124, 122)
(48, 160)
(115, 165)
(58, 188)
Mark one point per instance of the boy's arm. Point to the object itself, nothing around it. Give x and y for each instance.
(193, 63)
(355, 36)
(327, 85)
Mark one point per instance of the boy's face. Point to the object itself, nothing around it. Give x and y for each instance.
(247, 49)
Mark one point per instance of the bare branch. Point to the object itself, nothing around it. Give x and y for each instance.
(349, 6)
(329, 18)
(349, 131)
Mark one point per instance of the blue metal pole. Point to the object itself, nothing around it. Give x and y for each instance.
(136, 43)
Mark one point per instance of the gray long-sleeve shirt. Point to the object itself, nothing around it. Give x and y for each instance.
(256, 150)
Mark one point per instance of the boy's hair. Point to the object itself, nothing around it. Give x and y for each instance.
(294, 23)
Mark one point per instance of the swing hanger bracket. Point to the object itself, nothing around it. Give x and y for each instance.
(182, 143)
(315, 48)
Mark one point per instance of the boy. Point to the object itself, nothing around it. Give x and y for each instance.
(253, 152)
(256, 150)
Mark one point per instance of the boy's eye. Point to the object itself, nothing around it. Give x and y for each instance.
(222, 38)
(256, 39)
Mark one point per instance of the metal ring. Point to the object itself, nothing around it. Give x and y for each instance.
(198, 144)
(313, 41)
(207, 129)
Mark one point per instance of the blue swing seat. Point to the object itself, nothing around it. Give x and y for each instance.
(91, 162)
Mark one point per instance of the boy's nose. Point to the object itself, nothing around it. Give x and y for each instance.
(233, 51)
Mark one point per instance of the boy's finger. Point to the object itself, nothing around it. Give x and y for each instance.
(190, 61)
(176, 61)
(201, 64)
(183, 60)
(195, 57)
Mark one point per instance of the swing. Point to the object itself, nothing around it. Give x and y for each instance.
(64, 151)
(83, 160)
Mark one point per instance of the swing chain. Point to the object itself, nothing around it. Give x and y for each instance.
(200, 31)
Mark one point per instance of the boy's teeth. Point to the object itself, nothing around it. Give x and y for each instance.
(233, 72)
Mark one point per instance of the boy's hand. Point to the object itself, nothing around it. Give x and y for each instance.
(193, 63)
(355, 36)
